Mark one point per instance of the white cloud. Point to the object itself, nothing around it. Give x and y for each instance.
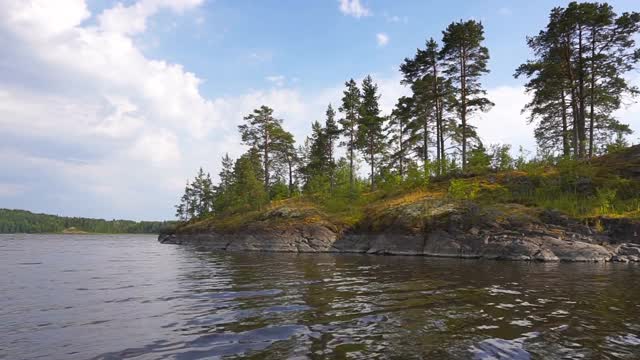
(94, 113)
(91, 126)
(43, 16)
(396, 18)
(277, 80)
(382, 39)
(158, 148)
(504, 123)
(133, 19)
(354, 8)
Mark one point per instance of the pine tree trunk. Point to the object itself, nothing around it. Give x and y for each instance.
(442, 151)
(463, 112)
(331, 166)
(401, 146)
(266, 160)
(592, 91)
(566, 151)
(290, 163)
(438, 114)
(574, 105)
(426, 145)
(581, 94)
(351, 145)
(372, 159)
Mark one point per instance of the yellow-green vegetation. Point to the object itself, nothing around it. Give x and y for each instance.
(73, 230)
(582, 190)
(425, 160)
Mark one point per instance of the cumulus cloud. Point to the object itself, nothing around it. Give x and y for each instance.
(504, 123)
(354, 8)
(133, 19)
(84, 110)
(382, 39)
(92, 126)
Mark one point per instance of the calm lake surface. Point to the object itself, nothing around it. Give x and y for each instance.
(129, 297)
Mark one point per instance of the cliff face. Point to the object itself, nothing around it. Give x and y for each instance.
(438, 222)
(431, 227)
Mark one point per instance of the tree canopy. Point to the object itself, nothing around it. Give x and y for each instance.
(576, 79)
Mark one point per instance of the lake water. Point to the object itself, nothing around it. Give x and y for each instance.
(129, 297)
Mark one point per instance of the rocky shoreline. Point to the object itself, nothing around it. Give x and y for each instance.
(457, 232)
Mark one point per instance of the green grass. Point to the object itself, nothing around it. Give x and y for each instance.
(582, 190)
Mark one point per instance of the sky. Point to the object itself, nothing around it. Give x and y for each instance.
(108, 107)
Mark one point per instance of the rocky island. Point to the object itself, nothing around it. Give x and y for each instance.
(492, 216)
(429, 185)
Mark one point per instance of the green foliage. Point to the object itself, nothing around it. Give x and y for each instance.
(416, 176)
(425, 109)
(576, 81)
(265, 135)
(278, 191)
(370, 137)
(198, 199)
(461, 189)
(389, 181)
(465, 59)
(606, 198)
(20, 221)
(501, 159)
(401, 136)
(318, 161)
(247, 191)
(351, 103)
(577, 78)
(478, 161)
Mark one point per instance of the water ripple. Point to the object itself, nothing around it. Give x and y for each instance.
(129, 297)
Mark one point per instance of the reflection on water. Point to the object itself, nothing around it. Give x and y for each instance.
(114, 297)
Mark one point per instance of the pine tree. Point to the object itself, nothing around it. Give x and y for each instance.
(332, 132)
(430, 89)
(400, 135)
(260, 133)
(183, 212)
(318, 163)
(198, 198)
(285, 156)
(549, 106)
(248, 192)
(582, 54)
(349, 124)
(370, 137)
(465, 60)
(222, 199)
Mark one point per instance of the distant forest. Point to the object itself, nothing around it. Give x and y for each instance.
(21, 221)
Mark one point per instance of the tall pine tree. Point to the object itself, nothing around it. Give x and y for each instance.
(370, 136)
(465, 59)
(351, 103)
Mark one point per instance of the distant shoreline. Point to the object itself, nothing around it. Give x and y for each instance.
(23, 221)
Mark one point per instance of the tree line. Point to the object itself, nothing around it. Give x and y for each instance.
(21, 221)
(576, 80)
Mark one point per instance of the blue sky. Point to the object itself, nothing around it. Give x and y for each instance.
(107, 107)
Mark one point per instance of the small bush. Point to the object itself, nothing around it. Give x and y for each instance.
(606, 198)
(463, 190)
